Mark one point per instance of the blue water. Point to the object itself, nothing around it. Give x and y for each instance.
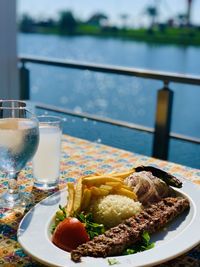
(119, 97)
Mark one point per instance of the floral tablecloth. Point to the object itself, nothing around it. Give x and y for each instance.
(80, 157)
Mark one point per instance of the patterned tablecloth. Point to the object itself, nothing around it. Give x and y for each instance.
(80, 158)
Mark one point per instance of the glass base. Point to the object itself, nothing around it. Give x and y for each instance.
(45, 186)
(12, 201)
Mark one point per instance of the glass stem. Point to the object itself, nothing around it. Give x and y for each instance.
(12, 193)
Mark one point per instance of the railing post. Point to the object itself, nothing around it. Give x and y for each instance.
(24, 82)
(163, 122)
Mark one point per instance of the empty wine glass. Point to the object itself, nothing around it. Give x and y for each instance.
(19, 137)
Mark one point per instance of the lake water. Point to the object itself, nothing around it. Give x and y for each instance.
(119, 97)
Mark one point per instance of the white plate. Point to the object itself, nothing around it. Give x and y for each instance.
(180, 236)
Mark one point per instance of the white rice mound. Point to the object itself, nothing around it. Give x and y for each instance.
(111, 210)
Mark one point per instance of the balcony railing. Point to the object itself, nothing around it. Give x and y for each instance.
(161, 130)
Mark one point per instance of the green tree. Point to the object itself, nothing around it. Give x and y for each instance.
(26, 24)
(67, 23)
(152, 12)
(97, 19)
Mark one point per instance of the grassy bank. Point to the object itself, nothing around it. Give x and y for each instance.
(182, 36)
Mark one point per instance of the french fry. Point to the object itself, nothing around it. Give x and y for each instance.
(70, 198)
(122, 175)
(127, 193)
(127, 187)
(106, 187)
(99, 191)
(92, 174)
(86, 199)
(114, 185)
(98, 180)
(78, 196)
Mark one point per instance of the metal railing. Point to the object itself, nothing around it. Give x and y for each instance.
(161, 130)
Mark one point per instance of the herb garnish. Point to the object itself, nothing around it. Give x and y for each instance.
(142, 245)
(93, 229)
(113, 261)
(60, 216)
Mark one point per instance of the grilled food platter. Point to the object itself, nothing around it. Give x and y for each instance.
(170, 214)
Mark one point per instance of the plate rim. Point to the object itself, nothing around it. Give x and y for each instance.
(187, 186)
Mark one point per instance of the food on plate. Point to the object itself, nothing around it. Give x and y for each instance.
(78, 196)
(165, 176)
(147, 187)
(88, 189)
(69, 234)
(113, 214)
(117, 239)
(111, 210)
(71, 193)
(93, 229)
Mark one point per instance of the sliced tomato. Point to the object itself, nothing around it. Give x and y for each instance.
(69, 234)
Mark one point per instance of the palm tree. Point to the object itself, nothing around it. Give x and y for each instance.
(152, 13)
(189, 7)
(97, 19)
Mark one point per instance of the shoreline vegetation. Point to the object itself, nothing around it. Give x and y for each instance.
(170, 36)
(97, 26)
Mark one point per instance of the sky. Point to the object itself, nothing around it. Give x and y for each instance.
(113, 8)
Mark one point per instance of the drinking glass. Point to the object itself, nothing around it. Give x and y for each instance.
(46, 162)
(19, 138)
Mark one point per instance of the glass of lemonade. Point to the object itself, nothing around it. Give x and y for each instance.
(19, 138)
(46, 162)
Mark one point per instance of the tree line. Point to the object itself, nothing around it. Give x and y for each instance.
(98, 24)
(65, 24)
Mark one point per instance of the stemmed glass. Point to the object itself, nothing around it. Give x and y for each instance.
(19, 138)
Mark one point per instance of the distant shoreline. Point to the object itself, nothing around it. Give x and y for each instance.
(180, 36)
